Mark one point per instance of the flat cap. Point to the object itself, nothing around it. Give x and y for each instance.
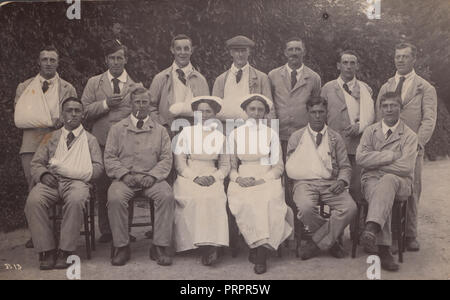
(111, 46)
(239, 42)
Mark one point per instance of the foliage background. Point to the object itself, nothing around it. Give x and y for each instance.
(327, 27)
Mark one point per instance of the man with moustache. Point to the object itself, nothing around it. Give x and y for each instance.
(387, 153)
(65, 163)
(419, 102)
(172, 90)
(138, 157)
(107, 101)
(52, 90)
(240, 80)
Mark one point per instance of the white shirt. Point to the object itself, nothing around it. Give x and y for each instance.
(182, 93)
(385, 128)
(409, 78)
(76, 132)
(299, 71)
(351, 84)
(134, 120)
(122, 80)
(51, 95)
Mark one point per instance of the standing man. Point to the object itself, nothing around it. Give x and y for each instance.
(172, 90)
(419, 101)
(350, 111)
(240, 80)
(387, 153)
(107, 101)
(138, 157)
(63, 166)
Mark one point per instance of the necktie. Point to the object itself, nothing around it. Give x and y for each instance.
(318, 139)
(181, 76)
(293, 78)
(398, 90)
(70, 138)
(139, 124)
(115, 82)
(345, 86)
(388, 133)
(45, 86)
(238, 75)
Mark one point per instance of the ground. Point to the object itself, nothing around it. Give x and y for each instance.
(432, 262)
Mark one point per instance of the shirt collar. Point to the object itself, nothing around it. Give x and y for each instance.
(314, 133)
(298, 70)
(187, 69)
(385, 127)
(135, 120)
(76, 132)
(122, 78)
(407, 76)
(50, 81)
(350, 84)
(245, 68)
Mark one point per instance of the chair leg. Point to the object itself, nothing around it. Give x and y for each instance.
(355, 233)
(152, 216)
(398, 230)
(87, 234)
(92, 221)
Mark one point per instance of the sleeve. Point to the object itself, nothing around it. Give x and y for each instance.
(377, 104)
(317, 86)
(224, 164)
(155, 97)
(218, 87)
(234, 160)
(113, 166)
(19, 91)
(345, 168)
(405, 164)
(96, 158)
(162, 168)
(40, 159)
(276, 158)
(181, 156)
(429, 114)
(367, 157)
(293, 141)
(93, 109)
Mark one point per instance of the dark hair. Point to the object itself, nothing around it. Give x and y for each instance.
(391, 95)
(49, 48)
(257, 98)
(316, 100)
(214, 105)
(350, 52)
(71, 99)
(295, 39)
(179, 37)
(138, 91)
(407, 45)
(112, 46)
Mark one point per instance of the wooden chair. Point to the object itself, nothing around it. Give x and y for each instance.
(88, 221)
(398, 223)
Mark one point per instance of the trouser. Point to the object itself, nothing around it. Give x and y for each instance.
(412, 208)
(119, 194)
(102, 186)
(380, 194)
(74, 194)
(326, 231)
(26, 165)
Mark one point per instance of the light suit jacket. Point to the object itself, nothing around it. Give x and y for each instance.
(32, 137)
(48, 148)
(162, 93)
(338, 118)
(375, 154)
(95, 92)
(290, 104)
(419, 108)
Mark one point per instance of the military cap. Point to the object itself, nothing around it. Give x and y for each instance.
(111, 46)
(239, 41)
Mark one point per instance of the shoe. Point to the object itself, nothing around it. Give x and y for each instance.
(394, 247)
(210, 255)
(121, 256)
(159, 254)
(149, 234)
(369, 236)
(260, 260)
(260, 268)
(105, 238)
(338, 251)
(47, 260)
(252, 255)
(387, 260)
(412, 244)
(132, 238)
(310, 250)
(29, 244)
(61, 260)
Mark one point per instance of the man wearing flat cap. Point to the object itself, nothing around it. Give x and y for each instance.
(172, 90)
(107, 101)
(240, 80)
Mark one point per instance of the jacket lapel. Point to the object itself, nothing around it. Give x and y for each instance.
(412, 92)
(302, 81)
(285, 78)
(105, 84)
(63, 90)
(340, 95)
(252, 81)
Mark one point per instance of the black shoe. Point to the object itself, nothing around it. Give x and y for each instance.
(210, 255)
(338, 251)
(159, 254)
(61, 260)
(369, 236)
(260, 260)
(412, 244)
(29, 244)
(105, 238)
(387, 260)
(121, 256)
(252, 255)
(47, 260)
(310, 250)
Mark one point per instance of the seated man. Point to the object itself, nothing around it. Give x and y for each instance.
(138, 158)
(318, 164)
(387, 154)
(63, 165)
